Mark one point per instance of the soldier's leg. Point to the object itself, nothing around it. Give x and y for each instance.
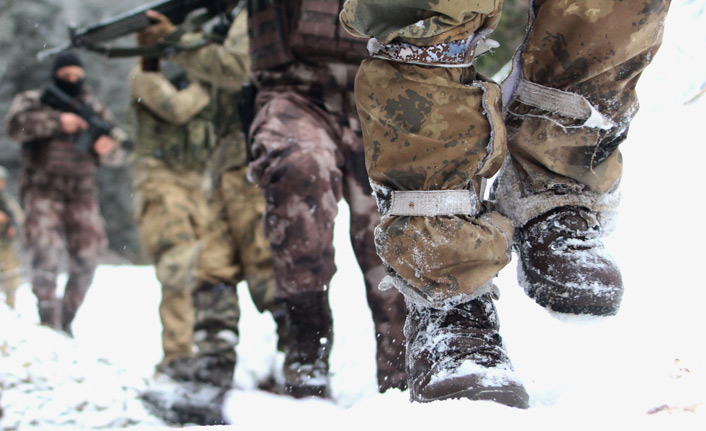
(433, 130)
(217, 312)
(298, 167)
(85, 235)
(42, 231)
(245, 209)
(11, 268)
(387, 307)
(570, 99)
(168, 212)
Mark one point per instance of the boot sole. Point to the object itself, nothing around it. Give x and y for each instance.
(509, 396)
(542, 293)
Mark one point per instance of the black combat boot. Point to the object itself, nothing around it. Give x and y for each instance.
(50, 312)
(564, 266)
(216, 336)
(307, 346)
(458, 353)
(215, 370)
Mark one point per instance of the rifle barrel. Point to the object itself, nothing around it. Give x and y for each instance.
(129, 22)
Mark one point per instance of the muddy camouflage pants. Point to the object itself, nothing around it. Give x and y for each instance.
(233, 250)
(305, 164)
(172, 215)
(568, 101)
(62, 212)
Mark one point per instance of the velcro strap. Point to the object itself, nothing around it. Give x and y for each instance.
(433, 203)
(561, 102)
(459, 53)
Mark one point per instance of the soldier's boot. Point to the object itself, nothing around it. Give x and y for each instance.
(458, 353)
(210, 369)
(307, 345)
(564, 266)
(50, 312)
(216, 336)
(204, 379)
(68, 313)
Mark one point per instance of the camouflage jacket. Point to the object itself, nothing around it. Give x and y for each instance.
(223, 69)
(171, 124)
(46, 148)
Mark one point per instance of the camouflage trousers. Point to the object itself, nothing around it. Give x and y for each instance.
(430, 127)
(10, 271)
(62, 212)
(172, 216)
(305, 163)
(234, 249)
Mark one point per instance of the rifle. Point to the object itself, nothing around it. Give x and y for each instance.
(94, 37)
(97, 127)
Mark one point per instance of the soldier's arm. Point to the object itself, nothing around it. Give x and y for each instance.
(154, 91)
(118, 154)
(28, 119)
(226, 65)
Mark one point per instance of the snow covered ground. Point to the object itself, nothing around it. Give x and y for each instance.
(645, 368)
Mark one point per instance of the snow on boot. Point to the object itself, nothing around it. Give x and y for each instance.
(213, 370)
(458, 353)
(564, 266)
(307, 346)
(186, 403)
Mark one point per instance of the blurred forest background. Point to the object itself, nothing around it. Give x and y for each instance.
(28, 26)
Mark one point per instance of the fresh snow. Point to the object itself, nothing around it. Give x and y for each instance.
(643, 368)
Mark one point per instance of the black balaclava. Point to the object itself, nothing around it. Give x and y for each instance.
(67, 58)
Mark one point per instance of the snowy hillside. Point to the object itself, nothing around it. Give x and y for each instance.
(645, 368)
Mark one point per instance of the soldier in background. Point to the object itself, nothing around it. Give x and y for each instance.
(174, 141)
(435, 130)
(234, 247)
(59, 190)
(307, 154)
(10, 263)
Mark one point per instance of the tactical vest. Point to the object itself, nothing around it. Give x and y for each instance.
(230, 139)
(284, 31)
(187, 146)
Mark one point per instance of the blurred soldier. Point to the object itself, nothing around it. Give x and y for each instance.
(234, 248)
(59, 190)
(10, 265)
(173, 147)
(308, 154)
(434, 130)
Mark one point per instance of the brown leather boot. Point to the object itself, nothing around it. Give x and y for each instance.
(458, 353)
(564, 266)
(307, 346)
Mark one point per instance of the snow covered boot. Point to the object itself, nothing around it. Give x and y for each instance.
(186, 403)
(458, 353)
(210, 369)
(564, 266)
(307, 346)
